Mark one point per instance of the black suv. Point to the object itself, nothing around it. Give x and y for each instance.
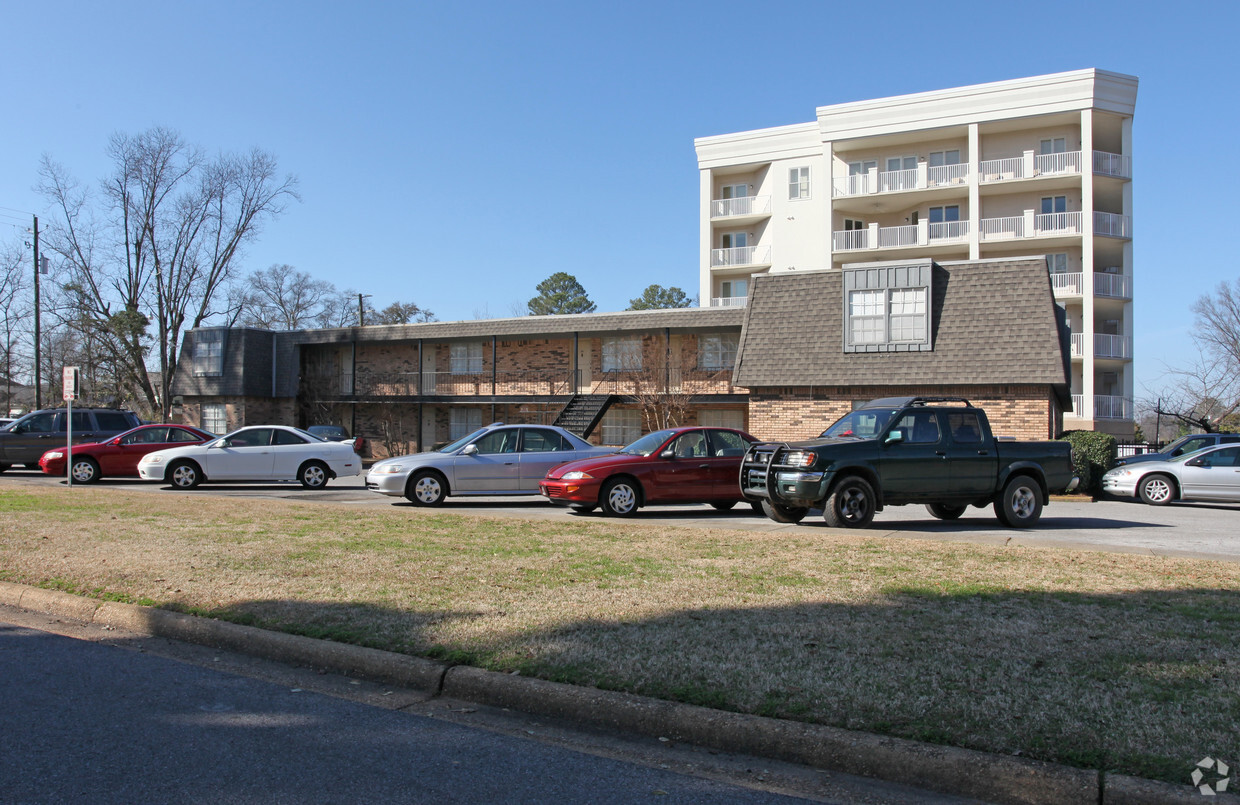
(27, 439)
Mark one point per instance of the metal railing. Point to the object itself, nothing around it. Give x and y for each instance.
(1112, 225)
(894, 181)
(464, 384)
(1112, 164)
(1068, 284)
(949, 230)
(1051, 164)
(940, 175)
(729, 301)
(1002, 228)
(1116, 286)
(740, 256)
(895, 236)
(745, 205)
(1057, 222)
(1112, 346)
(857, 184)
(1000, 170)
(850, 240)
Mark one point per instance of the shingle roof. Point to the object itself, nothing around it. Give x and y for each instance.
(992, 321)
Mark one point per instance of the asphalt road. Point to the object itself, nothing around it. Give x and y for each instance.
(1209, 531)
(93, 715)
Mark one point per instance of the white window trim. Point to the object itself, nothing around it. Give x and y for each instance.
(800, 177)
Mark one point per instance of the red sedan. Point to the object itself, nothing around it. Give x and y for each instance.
(120, 454)
(678, 465)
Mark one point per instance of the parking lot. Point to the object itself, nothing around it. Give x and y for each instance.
(1210, 531)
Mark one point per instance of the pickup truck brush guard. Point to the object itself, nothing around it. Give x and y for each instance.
(938, 451)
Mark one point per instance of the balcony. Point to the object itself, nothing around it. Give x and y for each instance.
(922, 177)
(741, 256)
(753, 207)
(1030, 166)
(1105, 407)
(1111, 225)
(1112, 286)
(1117, 165)
(729, 301)
(1030, 225)
(923, 233)
(1114, 347)
(464, 384)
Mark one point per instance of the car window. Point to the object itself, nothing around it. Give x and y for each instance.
(1191, 445)
(689, 445)
(862, 424)
(182, 435)
(498, 441)
(965, 427)
(541, 440)
(646, 444)
(1222, 458)
(256, 437)
(112, 420)
(919, 427)
(285, 437)
(38, 423)
(146, 436)
(81, 422)
(728, 443)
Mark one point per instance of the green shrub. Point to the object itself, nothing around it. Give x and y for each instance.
(1093, 453)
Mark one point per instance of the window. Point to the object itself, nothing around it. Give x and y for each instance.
(213, 418)
(622, 354)
(940, 215)
(919, 427)
(717, 351)
(852, 224)
(1054, 204)
(466, 358)
(1053, 145)
(965, 427)
(541, 440)
(887, 309)
(735, 191)
(732, 289)
(253, 437)
(286, 437)
(722, 418)
(861, 168)
(940, 158)
(689, 445)
(111, 420)
(503, 440)
(1057, 263)
(181, 435)
(727, 443)
(463, 421)
(733, 240)
(901, 163)
(798, 183)
(208, 357)
(621, 426)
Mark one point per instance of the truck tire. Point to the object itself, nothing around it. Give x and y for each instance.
(851, 504)
(945, 511)
(783, 514)
(1020, 505)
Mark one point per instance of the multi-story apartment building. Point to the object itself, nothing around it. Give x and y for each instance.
(1036, 166)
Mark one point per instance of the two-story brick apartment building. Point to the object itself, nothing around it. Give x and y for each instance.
(1038, 165)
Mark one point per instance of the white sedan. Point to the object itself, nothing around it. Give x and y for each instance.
(264, 453)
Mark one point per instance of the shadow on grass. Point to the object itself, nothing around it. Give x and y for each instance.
(1145, 683)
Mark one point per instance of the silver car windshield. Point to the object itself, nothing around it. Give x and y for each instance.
(461, 442)
(646, 444)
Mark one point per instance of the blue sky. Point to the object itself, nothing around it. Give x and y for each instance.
(456, 154)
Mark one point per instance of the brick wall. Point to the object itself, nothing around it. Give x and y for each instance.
(1021, 412)
(239, 412)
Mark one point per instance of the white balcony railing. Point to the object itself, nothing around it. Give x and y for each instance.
(740, 256)
(949, 230)
(1053, 164)
(1057, 223)
(729, 301)
(1068, 284)
(1112, 164)
(1000, 170)
(1104, 407)
(1112, 346)
(850, 240)
(1003, 228)
(1116, 286)
(745, 205)
(890, 237)
(1112, 225)
(894, 181)
(858, 184)
(941, 175)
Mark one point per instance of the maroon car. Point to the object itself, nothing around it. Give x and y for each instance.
(678, 465)
(120, 454)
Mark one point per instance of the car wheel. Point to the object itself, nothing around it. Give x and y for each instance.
(851, 504)
(1020, 505)
(184, 475)
(756, 503)
(722, 505)
(427, 488)
(620, 497)
(783, 514)
(85, 471)
(1156, 490)
(945, 511)
(313, 475)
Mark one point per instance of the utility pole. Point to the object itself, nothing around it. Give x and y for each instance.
(38, 382)
(361, 310)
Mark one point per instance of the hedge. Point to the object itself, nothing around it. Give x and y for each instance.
(1093, 453)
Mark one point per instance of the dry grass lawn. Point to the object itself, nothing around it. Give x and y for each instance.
(1084, 658)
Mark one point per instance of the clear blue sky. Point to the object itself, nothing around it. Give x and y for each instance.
(456, 154)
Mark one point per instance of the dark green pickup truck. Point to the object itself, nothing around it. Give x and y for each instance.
(899, 450)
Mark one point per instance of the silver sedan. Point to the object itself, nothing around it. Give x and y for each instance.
(496, 460)
(1210, 474)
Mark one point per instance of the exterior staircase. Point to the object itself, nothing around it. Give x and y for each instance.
(583, 412)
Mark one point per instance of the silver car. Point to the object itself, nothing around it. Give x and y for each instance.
(1210, 474)
(496, 460)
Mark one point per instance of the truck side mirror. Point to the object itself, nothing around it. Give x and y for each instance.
(895, 437)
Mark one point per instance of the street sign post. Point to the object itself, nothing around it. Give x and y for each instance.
(70, 379)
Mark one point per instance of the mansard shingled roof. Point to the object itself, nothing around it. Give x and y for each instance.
(993, 322)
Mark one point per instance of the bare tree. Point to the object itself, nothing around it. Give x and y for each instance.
(283, 298)
(402, 313)
(159, 251)
(14, 314)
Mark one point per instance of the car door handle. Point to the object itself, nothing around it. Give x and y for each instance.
(940, 453)
(983, 452)
(703, 466)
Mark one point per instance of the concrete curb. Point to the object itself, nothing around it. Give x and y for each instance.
(964, 772)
